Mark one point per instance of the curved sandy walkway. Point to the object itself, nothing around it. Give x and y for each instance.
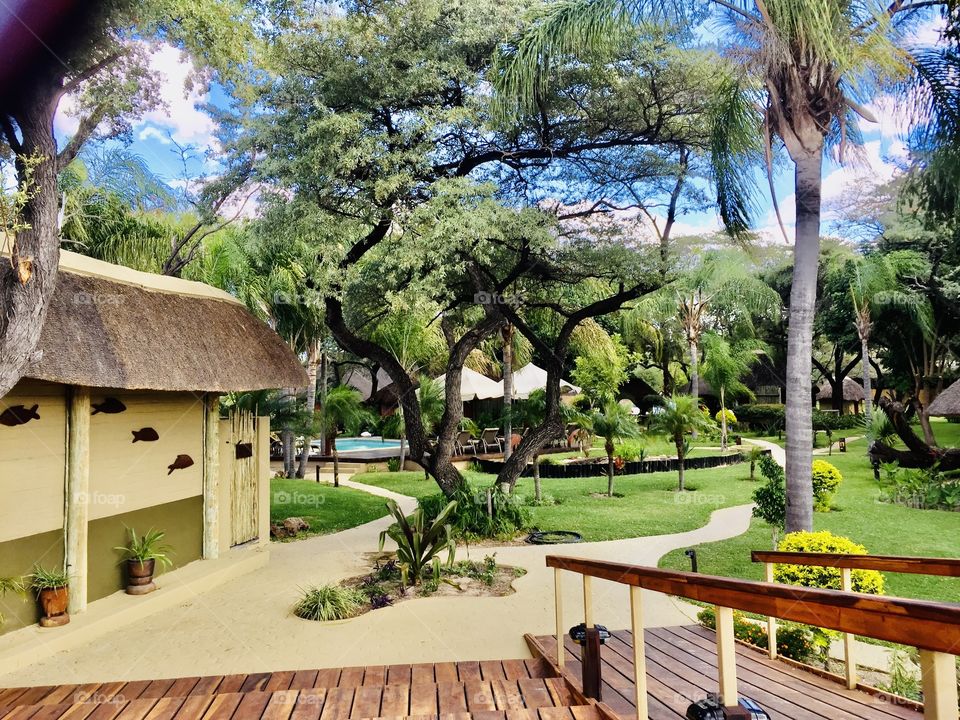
(246, 625)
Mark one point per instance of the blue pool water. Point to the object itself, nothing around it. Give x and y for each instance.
(370, 443)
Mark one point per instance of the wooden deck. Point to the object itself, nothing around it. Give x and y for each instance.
(495, 690)
(681, 668)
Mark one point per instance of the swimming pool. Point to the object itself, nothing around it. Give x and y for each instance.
(357, 443)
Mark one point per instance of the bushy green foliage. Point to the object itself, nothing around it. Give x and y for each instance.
(420, 540)
(470, 518)
(630, 450)
(864, 581)
(921, 488)
(763, 418)
(393, 464)
(793, 641)
(771, 498)
(329, 602)
(731, 417)
(826, 480)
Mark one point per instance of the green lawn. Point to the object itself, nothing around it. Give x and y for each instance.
(326, 508)
(650, 504)
(884, 529)
(655, 446)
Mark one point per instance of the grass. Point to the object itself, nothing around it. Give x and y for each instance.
(884, 529)
(649, 504)
(326, 508)
(655, 447)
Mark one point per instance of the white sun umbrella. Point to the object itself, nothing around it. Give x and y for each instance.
(530, 378)
(474, 386)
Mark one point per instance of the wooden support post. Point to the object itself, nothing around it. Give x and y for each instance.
(939, 674)
(588, 601)
(592, 681)
(771, 621)
(77, 496)
(558, 600)
(727, 657)
(211, 476)
(849, 639)
(639, 654)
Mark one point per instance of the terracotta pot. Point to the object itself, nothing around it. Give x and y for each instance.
(140, 577)
(54, 602)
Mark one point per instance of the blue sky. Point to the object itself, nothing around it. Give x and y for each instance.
(182, 119)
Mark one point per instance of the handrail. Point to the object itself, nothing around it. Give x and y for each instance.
(924, 624)
(933, 627)
(946, 567)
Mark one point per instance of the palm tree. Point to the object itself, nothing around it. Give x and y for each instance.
(877, 283)
(677, 417)
(797, 75)
(342, 406)
(726, 365)
(613, 422)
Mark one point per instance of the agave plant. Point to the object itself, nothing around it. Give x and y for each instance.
(420, 546)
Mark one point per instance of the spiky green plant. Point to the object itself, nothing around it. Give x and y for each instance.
(43, 579)
(11, 585)
(149, 546)
(420, 545)
(329, 602)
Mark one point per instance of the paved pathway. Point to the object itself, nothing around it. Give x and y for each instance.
(246, 625)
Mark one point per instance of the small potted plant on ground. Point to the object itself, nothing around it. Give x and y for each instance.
(53, 592)
(142, 555)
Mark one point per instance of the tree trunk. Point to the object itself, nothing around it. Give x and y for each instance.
(608, 446)
(803, 296)
(867, 390)
(336, 462)
(403, 449)
(507, 333)
(311, 403)
(286, 436)
(694, 370)
(680, 461)
(28, 279)
(537, 494)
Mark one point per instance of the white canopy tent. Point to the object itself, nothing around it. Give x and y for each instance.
(474, 386)
(530, 378)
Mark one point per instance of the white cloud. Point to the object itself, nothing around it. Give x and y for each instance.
(151, 131)
(178, 112)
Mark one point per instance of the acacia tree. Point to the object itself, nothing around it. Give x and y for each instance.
(102, 63)
(382, 123)
(800, 72)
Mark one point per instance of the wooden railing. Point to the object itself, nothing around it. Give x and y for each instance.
(944, 567)
(932, 627)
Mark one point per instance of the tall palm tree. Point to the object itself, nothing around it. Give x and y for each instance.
(341, 407)
(613, 422)
(679, 416)
(798, 75)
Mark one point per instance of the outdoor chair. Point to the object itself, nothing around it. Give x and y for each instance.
(489, 439)
(464, 443)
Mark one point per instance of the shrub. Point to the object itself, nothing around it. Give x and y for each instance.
(771, 498)
(793, 641)
(630, 450)
(419, 540)
(329, 602)
(826, 480)
(864, 581)
(393, 464)
(766, 419)
(470, 517)
(731, 418)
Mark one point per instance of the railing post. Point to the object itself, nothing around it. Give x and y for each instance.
(726, 657)
(771, 620)
(939, 685)
(639, 654)
(588, 601)
(558, 600)
(849, 639)
(592, 681)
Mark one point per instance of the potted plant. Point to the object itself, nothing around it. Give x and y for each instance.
(53, 592)
(142, 555)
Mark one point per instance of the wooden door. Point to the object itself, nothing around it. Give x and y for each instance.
(244, 496)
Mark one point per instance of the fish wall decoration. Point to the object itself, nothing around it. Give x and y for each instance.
(244, 450)
(147, 434)
(182, 461)
(109, 406)
(19, 415)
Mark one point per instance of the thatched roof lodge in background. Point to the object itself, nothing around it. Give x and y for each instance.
(852, 391)
(947, 403)
(112, 327)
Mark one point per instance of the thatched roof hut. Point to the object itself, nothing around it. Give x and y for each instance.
(852, 391)
(112, 327)
(947, 403)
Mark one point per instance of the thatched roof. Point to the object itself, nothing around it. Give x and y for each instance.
(947, 403)
(852, 391)
(359, 379)
(112, 327)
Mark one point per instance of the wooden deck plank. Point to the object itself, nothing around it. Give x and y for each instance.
(469, 672)
(310, 704)
(492, 670)
(351, 677)
(220, 708)
(165, 709)
(327, 678)
(52, 712)
(446, 672)
(507, 695)
(422, 673)
(279, 681)
(366, 701)
(207, 685)
(423, 699)
(303, 679)
(337, 704)
(451, 698)
(555, 713)
(399, 675)
(252, 705)
(515, 669)
(256, 681)
(137, 709)
(375, 675)
(396, 700)
(535, 693)
(479, 695)
(281, 705)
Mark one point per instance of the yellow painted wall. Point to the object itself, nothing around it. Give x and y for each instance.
(32, 461)
(126, 475)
